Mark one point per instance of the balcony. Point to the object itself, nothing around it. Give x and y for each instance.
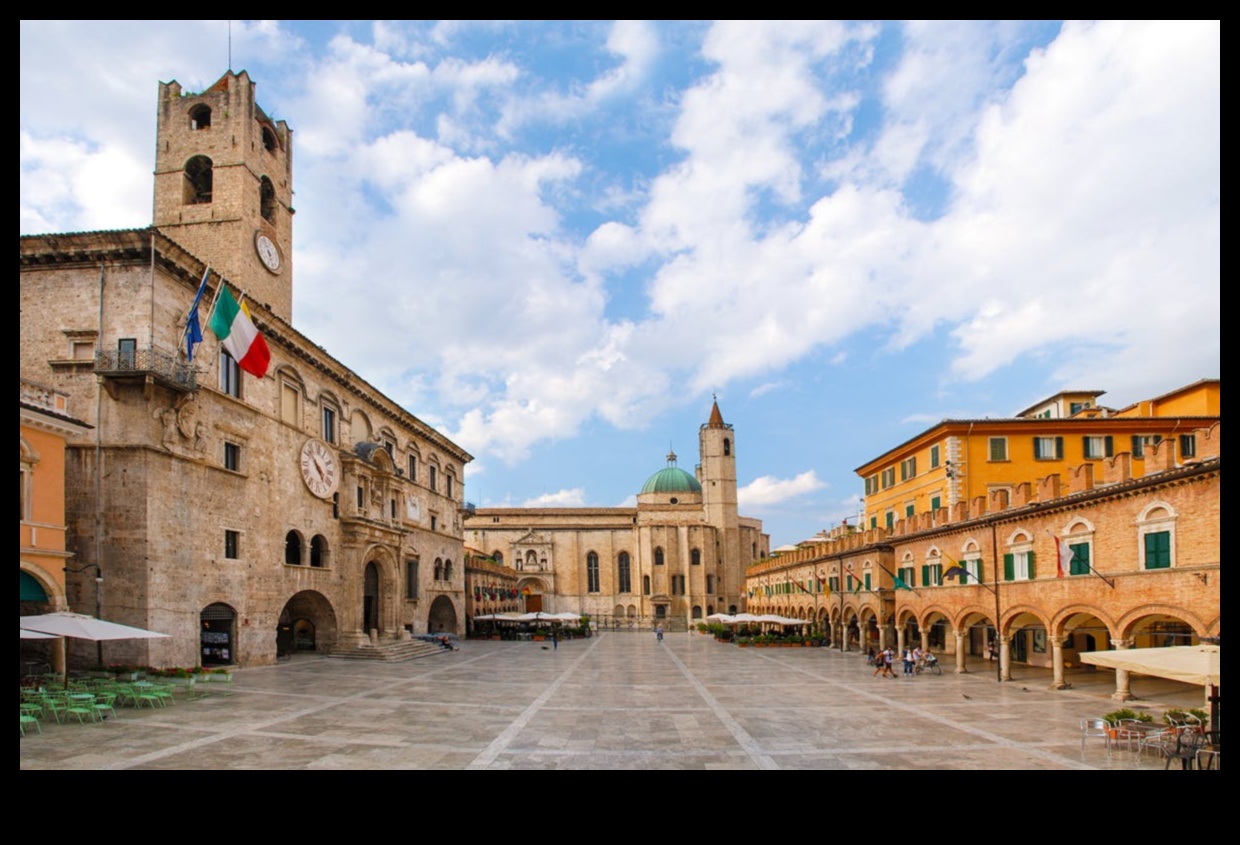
(149, 366)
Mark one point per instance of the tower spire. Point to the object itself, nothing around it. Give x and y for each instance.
(716, 418)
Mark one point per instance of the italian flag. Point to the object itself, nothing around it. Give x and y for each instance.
(232, 325)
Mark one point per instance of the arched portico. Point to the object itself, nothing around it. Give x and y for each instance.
(307, 624)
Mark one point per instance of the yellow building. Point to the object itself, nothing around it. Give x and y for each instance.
(43, 426)
(955, 461)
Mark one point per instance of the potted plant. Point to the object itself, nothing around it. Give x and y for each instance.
(540, 634)
(1124, 713)
(743, 642)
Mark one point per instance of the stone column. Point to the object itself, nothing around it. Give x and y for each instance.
(1005, 658)
(925, 639)
(1122, 692)
(882, 636)
(1057, 681)
(900, 639)
(960, 637)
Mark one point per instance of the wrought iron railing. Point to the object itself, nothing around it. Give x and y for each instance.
(142, 362)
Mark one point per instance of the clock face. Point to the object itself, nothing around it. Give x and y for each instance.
(319, 468)
(267, 252)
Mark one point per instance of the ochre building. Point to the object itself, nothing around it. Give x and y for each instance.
(1095, 557)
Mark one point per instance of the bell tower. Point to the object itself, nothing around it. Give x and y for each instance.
(717, 474)
(224, 186)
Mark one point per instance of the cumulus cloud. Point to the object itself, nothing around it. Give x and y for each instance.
(769, 490)
(569, 498)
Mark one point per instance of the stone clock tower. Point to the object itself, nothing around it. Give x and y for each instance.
(224, 186)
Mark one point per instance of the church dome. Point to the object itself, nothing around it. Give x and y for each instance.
(671, 479)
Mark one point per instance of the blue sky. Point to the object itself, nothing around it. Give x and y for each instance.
(556, 241)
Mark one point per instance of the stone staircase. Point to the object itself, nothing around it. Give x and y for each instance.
(390, 651)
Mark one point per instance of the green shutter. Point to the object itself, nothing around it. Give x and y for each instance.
(1085, 447)
(1110, 446)
(867, 581)
(1031, 575)
(980, 576)
(935, 503)
(1009, 568)
(1080, 559)
(1158, 550)
(908, 511)
(1037, 448)
(925, 576)
(1138, 446)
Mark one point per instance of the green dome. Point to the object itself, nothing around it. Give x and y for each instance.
(671, 479)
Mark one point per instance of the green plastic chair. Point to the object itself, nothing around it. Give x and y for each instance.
(81, 706)
(28, 719)
(104, 704)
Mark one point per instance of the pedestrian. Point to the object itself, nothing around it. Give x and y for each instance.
(658, 633)
(889, 658)
(909, 661)
(555, 640)
(877, 660)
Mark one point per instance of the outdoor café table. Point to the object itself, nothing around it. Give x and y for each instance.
(1128, 731)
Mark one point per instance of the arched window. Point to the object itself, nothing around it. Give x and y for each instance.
(267, 199)
(447, 570)
(200, 117)
(592, 580)
(438, 569)
(624, 583)
(198, 180)
(498, 557)
(727, 447)
(697, 612)
(645, 585)
(658, 555)
(318, 551)
(292, 548)
(695, 557)
(270, 142)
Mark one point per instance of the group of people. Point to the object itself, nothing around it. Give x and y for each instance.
(914, 659)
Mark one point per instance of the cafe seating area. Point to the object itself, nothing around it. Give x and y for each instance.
(47, 700)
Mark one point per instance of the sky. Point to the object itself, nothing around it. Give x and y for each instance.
(557, 241)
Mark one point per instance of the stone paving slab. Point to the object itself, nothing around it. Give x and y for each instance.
(615, 701)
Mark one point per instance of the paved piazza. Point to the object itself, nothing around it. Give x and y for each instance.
(616, 701)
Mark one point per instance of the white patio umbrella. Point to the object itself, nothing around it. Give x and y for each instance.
(35, 635)
(79, 626)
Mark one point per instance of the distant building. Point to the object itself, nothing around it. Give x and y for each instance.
(677, 556)
(303, 510)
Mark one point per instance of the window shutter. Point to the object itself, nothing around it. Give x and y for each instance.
(1110, 446)
(980, 576)
(1059, 448)
(925, 576)
(1085, 447)
(1031, 574)
(1037, 448)
(1138, 446)
(1009, 568)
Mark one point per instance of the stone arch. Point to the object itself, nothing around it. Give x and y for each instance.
(267, 199)
(359, 425)
(200, 117)
(271, 141)
(294, 548)
(1083, 628)
(218, 634)
(307, 623)
(55, 593)
(978, 624)
(379, 577)
(320, 552)
(199, 180)
(442, 616)
(1128, 625)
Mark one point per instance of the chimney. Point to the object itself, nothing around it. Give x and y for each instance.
(1118, 468)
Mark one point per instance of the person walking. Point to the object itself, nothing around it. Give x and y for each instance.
(658, 633)
(555, 640)
(889, 659)
(909, 661)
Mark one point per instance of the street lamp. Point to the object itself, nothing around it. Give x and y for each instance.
(98, 599)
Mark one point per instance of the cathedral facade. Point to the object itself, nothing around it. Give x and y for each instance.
(245, 516)
(678, 556)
